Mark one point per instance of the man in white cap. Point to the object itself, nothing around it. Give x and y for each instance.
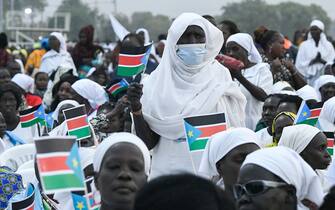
(314, 53)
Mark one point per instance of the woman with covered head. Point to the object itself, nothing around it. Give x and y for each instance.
(277, 178)
(315, 52)
(85, 52)
(255, 81)
(311, 144)
(57, 57)
(121, 166)
(224, 155)
(327, 116)
(188, 81)
(325, 87)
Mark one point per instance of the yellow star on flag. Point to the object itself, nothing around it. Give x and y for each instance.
(190, 134)
(75, 162)
(304, 114)
(80, 205)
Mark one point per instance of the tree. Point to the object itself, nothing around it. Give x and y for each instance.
(285, 17)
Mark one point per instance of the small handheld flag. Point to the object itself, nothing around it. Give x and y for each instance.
(77, 122)
(118, 87)
(59, 164)
(79, 202)
(330, 142)
(133, 60)
(199, 129)
(32, 116)
(27, 203)
(308, 115)
(86, 196)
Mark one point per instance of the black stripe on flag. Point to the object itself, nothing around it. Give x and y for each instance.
(130, 50)
(74, 112)
(30, 110)
(24, 203)
(316, 105)
(88, 183)
(330, 135)
(54, 144)
(206, 119)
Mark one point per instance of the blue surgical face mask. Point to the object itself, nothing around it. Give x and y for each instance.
(191, 54)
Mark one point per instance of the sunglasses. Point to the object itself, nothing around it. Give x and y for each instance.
(254, 188)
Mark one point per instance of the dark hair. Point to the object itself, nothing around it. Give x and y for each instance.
(3, 40)
(162, 37)
(232, 27)
(291, 99)
(180, 192)
(210, 19)
(136, 36)
(13, 88)
(38, 74)
(268, 37)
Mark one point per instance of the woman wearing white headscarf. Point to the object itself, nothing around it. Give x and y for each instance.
(57, 57)
(224, 154)
(284, 167)
(325, 87)
(314, 53)
(121, 166)
(311, 144)
(187, 82)
(91, 94)
(327, 116)
(255, 81)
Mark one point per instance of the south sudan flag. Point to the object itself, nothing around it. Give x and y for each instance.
(133, 60)
(27, 203)
(59, 164)
(330, 142)
(200, 128)
(32, 116)
(309, 114)
(77, 122)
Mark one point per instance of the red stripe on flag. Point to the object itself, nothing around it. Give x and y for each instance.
(50, 164)
(330, 142)
(76, 122)
(130, 60)
(114, 87)
(31, 207)
(210, 130)
(315, 112)
(27, 118)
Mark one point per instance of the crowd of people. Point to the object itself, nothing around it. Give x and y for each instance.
(138, 154)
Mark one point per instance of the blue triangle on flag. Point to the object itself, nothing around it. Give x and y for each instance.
(73, 162)
(192, 133)
(303, 114)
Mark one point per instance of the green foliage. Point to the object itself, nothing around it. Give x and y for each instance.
(285, 17)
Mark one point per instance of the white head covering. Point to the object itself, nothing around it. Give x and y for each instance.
(290, 167)
(220, 145)
(61, 39)
(86, 156)
(279, 86)
(321, 81)
(117, 138)
(92, 91)
(24, 81)
(246, 41)
(297, 137)
(146, 35)
(307, 93)
(203, 89)
(327, 115)
(56, 112)
(91, 71)
(318, 24)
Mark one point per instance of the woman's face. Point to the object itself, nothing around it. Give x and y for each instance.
(121, 175)
(65, 91)
(229, 166)
(193, 35)
(54, 43)
(327, 91)
(277, 47)
(280, 123)
(316, 153)
(315, 32)
(4, 76)
(8, 104)
(236, 51)
(277, 198)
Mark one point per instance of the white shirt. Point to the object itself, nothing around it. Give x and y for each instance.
(264, 137)
(52, 60)
(26, 134)
(261, 76)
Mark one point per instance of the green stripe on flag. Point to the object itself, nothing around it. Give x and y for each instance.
(199, 144)
(331, 151)
(311, 122)
(61, 181)
(119, 90)
(81, 133)
(128, 71)
(30, 123)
